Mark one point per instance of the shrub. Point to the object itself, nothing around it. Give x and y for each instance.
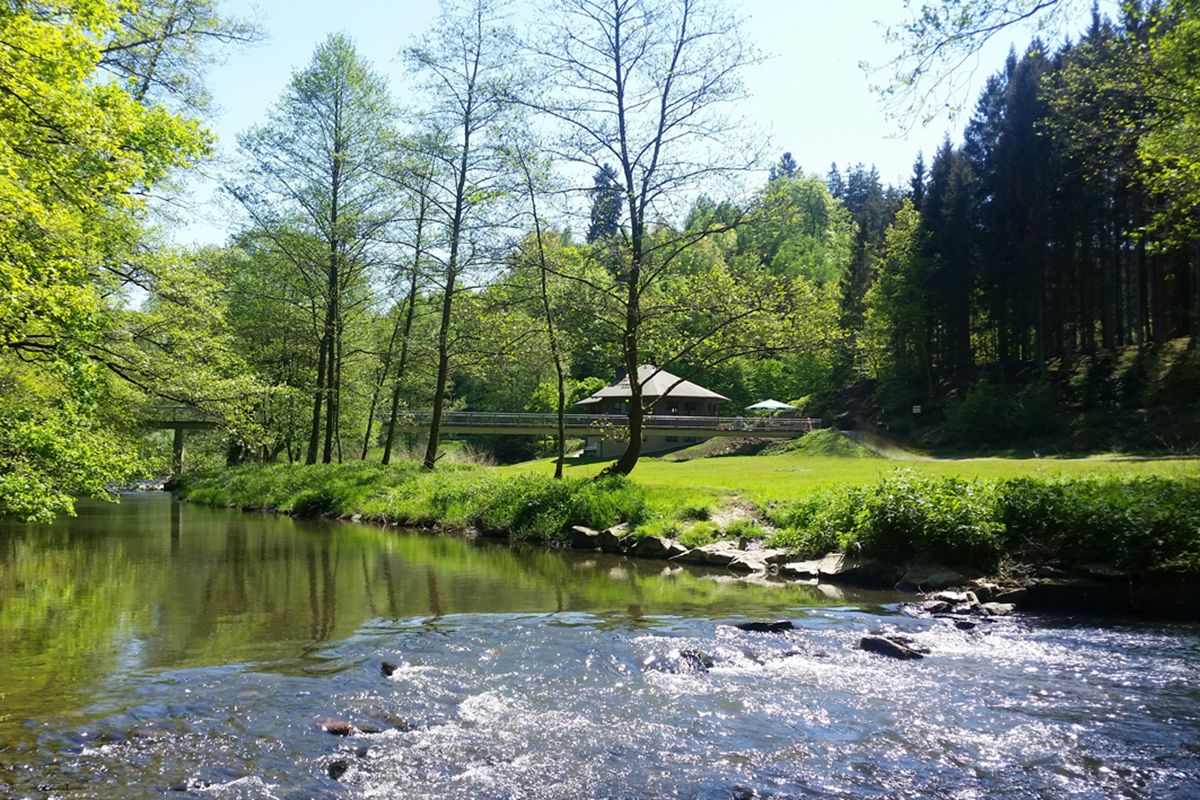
(695, 512)
(747, 528)
(982, 417)
(700, 534)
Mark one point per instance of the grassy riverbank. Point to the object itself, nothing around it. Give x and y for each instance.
(1127, 514)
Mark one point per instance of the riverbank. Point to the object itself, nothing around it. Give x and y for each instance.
(1113, 543)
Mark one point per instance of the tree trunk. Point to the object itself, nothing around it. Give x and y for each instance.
(409, 314)
(314, 438)
(443, 373)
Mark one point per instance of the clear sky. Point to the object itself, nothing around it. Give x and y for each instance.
(810, 96)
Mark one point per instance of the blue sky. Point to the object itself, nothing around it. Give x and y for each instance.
(810, 96)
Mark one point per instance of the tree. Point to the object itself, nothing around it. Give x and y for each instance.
(896, 342)
(160, 49)
(928, 77)
(416, 179)
(642, 85)
(466, 67)
(76, 157)
(606, 204)
(313, 188)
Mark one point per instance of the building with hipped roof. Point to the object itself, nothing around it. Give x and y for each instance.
(663, 394)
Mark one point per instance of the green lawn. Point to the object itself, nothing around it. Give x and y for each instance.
(783, 477)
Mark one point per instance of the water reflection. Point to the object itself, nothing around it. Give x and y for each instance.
(153, 584)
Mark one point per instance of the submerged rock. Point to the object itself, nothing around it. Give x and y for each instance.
(779, 626)
(680, 661)
(388, 668)
(337, 769)
(889, 648)
(336, 727)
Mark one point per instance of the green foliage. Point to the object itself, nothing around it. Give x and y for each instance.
(904, 515)
(661, 526)
(78, 157)
(456, 497)
(1127, 522)
(695, 512)
(982, 417)
(814, 523)
(1134, 523)
(895, 341)
(700, 534)
(743, 528)
(796, 228)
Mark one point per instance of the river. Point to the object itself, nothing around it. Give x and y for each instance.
(154, 648)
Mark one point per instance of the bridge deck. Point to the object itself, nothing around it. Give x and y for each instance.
(179, 418)
(596, 424)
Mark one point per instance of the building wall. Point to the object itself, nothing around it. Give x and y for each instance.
(612, 448)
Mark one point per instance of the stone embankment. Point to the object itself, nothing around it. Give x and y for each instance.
(1092, 590)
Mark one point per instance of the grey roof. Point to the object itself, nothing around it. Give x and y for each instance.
(655, 383)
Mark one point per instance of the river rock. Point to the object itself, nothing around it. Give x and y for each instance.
(936, 607)
(583, 538)
(985, 590)
(613, 540)
(337, 769)
(841, 567)
(717, 554)
(1011, 594)
(758, 560)
(388, 669)
(997, 609)
(336, 727)
(779, 626)
(658, 547)
(1101, 572)
(923, 576)
(680, 661)
(802, 570)
(889, 648)
(957, 598)
(1166, 593)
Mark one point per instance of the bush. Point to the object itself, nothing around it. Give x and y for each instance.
(695, 512)
(1129, 523)
(981, 418)
(746, 528)
(700, 534)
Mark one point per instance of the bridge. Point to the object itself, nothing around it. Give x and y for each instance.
(587, 426)
(179, 419)
(597, 424)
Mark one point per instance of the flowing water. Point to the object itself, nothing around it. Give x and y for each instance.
(154, 648)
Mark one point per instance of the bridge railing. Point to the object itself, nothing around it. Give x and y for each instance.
(167, 414)
(480, 419)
